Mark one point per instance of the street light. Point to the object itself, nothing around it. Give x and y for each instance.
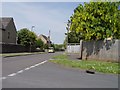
(32, 28)
(30, 40)
(49, 42)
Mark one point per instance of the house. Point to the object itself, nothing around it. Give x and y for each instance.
(46, 40)
(8, 33)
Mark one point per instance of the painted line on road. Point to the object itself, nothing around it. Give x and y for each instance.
(13, 74)
(32, 66)
(21, 71)
(3, 78)
(26, 68)
(36, 65)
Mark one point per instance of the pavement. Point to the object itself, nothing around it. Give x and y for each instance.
(74, 56)
(35, 71)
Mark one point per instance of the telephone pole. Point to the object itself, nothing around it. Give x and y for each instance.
(49, 39)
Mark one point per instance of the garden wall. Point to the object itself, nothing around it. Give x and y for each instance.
(13, 48)
(108, 50)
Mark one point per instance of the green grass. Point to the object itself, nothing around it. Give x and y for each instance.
(99, 66)
(62, 56)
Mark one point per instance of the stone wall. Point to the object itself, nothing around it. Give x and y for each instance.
(101, 50)
(108, 50)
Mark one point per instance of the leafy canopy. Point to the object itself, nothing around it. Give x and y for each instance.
(96, 20)
(26, 37)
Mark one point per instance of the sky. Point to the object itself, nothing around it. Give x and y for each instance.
(44, 16)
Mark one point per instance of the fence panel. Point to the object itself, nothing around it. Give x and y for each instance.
(73, 48)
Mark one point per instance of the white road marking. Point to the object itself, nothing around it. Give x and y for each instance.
(3, 77)
(43, 62)
(13, 74)
(27, 68)
(21, 71)
(36, 65)
(31, 67)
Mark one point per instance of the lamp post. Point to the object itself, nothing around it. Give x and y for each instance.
(32, 28)
(30, 40)
(49, 39)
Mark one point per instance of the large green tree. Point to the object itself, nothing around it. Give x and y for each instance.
(26, 37)
(96, 20)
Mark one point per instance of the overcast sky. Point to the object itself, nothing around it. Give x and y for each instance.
(44, 16)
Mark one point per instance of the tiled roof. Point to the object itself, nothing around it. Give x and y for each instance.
(4, 21)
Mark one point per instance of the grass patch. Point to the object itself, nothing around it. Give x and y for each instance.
(99, 66)
(62, 56)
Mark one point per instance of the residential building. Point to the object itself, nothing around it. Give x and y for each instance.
(8, 34)
(46, 40)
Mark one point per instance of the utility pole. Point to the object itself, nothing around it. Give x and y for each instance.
(49, 39)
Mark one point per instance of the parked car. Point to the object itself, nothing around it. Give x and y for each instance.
(51, 50)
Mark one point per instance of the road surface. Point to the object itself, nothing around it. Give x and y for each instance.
(35, 71)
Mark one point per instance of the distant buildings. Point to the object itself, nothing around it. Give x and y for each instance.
(46, 40)
(8, 37)
(8, 33)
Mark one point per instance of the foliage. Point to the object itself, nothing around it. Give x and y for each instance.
(39, 44)
(26, 37)
(99, 66)
(65, 42)
(46, 46)
(61, 56)
(74, 37)
(59, 47)
(96, 20)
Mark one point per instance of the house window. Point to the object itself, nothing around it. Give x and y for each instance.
(8, 35)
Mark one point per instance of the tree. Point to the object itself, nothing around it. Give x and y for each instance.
(59, 47)
(74, 37)
(39, 44)
(96, 20)
(26, 37)
(46, 46)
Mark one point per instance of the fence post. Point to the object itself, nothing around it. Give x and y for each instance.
(81, 49)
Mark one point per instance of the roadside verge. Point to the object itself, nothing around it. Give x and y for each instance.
(88, 65)
(19, 54)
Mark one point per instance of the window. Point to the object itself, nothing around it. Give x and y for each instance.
(8, 35)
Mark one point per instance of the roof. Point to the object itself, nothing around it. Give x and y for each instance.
(44, 37)
(4, 21)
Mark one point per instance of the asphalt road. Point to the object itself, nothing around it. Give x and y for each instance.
(45, 74)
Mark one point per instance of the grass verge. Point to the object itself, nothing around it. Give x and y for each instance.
(98, 66)
(19, 54)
